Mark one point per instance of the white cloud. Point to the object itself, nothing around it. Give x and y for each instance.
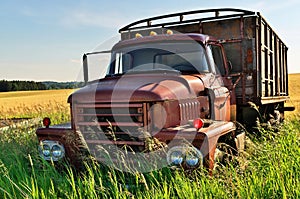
(89, 18)
(76, 61)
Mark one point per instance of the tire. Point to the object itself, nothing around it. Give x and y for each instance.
(229, 150)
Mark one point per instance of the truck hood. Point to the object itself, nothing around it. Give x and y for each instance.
(140, 88)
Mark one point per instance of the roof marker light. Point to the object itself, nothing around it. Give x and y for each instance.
(153, 33)
(138, 35)
(169, 32)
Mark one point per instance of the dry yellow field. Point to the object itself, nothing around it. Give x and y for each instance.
(294, 92)
(33, 103)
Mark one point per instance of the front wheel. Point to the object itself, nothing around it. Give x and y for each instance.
(231, 149)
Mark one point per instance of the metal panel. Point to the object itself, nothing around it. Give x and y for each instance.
(238, 36)
(257, 52)
(273, 63)
(189, 111)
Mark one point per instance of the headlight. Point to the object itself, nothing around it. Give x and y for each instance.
(46, 150)
(193, 157)
(184, 155)
(57, 151)
(51, 150)
(176, 157)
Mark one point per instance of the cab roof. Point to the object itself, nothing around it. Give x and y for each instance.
(204, 39)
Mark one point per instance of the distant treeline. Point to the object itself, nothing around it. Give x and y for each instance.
(62, 85)
(17, 85)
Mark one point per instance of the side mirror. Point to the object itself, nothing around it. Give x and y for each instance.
(85, 68)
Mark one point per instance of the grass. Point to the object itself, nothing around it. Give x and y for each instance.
(272, 169)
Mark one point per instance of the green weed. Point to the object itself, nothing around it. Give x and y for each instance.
(272, 171)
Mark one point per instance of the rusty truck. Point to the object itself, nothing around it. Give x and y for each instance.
(176, 86)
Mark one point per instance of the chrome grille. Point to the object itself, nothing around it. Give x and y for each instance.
(112, 124)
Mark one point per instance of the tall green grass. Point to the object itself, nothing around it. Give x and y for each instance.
(272, 171)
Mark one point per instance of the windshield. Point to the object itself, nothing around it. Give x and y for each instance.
(183, 56)
(95, 65)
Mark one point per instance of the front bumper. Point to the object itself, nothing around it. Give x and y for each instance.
(202, 142)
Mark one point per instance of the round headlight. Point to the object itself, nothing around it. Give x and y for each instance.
(46, 150)
(185, 155)
(192, 160)
(57, 151)
(193, 157)
(176, 157)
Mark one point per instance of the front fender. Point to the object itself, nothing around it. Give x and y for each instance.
(205, 139)
(212, 135)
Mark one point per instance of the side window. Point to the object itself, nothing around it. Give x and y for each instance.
(218, 58)
(126, 63)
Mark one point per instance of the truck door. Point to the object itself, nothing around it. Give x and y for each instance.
(221, 64)
(224, 95)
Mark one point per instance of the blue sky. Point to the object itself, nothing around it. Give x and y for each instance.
(44, 40)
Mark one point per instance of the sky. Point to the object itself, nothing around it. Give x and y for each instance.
(45, 40)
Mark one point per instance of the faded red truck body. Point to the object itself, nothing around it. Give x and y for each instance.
(163, 90)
